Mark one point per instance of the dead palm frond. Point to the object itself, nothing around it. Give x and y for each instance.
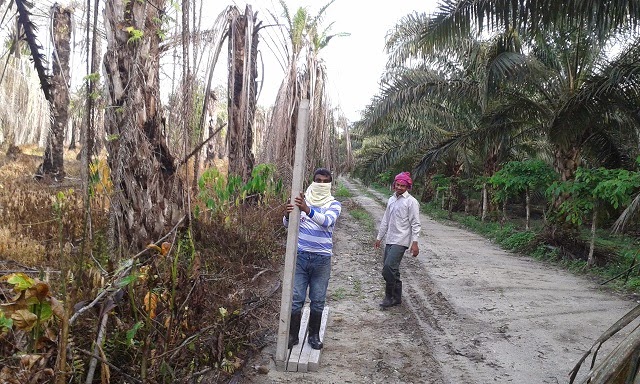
(39, 61)
(621, 364)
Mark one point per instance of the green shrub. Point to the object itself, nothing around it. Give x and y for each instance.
(363, 217)
(519, 241)
(343, 192)
(544, 252)
(633, 283)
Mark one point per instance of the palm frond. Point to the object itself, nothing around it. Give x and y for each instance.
(454, 18)
(404, 41)
(39, 61)
(625, 217)
(417, 86)
(618, 359)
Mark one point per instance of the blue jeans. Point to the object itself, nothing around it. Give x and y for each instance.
(313, 272)
(392, 257)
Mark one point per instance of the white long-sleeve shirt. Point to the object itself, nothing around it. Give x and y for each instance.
(401, 221)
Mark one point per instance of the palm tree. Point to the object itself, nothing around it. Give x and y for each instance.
(577, 97)
(557, 81)
(52, 162)
(243, 55)
(587, 108)
(148, 200)
(305, 78)
(452, 97)
(455, 18)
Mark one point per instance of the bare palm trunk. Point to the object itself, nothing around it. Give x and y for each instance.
(592, 243)
(187, 91)
(243, 49)
(490, 167)
(148, 199)
(73, 139)
(89, 134)
(349, 162)
(450, 205)
(93, 68)
(504, 209)
(52, 162)
(566, 162)
(485, 202)
(528, 208)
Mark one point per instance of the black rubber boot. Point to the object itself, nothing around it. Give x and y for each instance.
(397, 293)
(388, 295)
(315, 319)
(294, 329)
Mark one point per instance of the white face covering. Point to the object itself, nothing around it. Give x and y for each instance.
(318, 194)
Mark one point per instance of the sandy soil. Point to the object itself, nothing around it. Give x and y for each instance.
(471, 313)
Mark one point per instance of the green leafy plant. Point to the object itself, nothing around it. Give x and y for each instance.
(590, 193)
(517, 178)
(519, 241)
(131, 333)
(32, 308)
(93, 77)
(135, 35)
(342, 192)
(219, 194)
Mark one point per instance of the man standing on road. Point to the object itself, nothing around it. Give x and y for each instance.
(401, 226)
(319, 211)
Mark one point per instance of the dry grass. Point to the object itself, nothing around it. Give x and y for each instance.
(231, 266)
(32, 227)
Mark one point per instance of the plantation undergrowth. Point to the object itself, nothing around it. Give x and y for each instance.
(191, 306)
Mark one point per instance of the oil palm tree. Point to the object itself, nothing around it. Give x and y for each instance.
(582, 101)
(561, 86)
(578, 90)
(149, 201)
(454, 92)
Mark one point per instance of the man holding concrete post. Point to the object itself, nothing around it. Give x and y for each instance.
(319, 211)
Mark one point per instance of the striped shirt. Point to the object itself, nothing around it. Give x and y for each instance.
(316, 229)
(401, 220)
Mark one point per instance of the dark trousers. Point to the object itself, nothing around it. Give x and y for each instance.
(392, 257)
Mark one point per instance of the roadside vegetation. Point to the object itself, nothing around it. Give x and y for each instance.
(618, 264)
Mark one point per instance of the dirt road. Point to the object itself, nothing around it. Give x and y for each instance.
(471, 313)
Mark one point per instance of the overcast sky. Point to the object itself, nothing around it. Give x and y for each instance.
(354, 63)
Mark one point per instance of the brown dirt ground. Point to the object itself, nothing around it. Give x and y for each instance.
(471, 313)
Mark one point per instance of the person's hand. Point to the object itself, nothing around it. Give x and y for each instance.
(414, 249)
(288, 209)
(302, 203)
(377, 244)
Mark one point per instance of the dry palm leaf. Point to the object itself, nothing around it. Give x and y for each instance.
(622, 359)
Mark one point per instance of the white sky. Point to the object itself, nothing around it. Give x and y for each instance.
(354, 63)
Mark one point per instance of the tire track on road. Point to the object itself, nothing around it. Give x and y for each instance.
(435, 316)
(495, 316)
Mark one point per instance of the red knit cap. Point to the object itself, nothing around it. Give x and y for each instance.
(403, 176)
